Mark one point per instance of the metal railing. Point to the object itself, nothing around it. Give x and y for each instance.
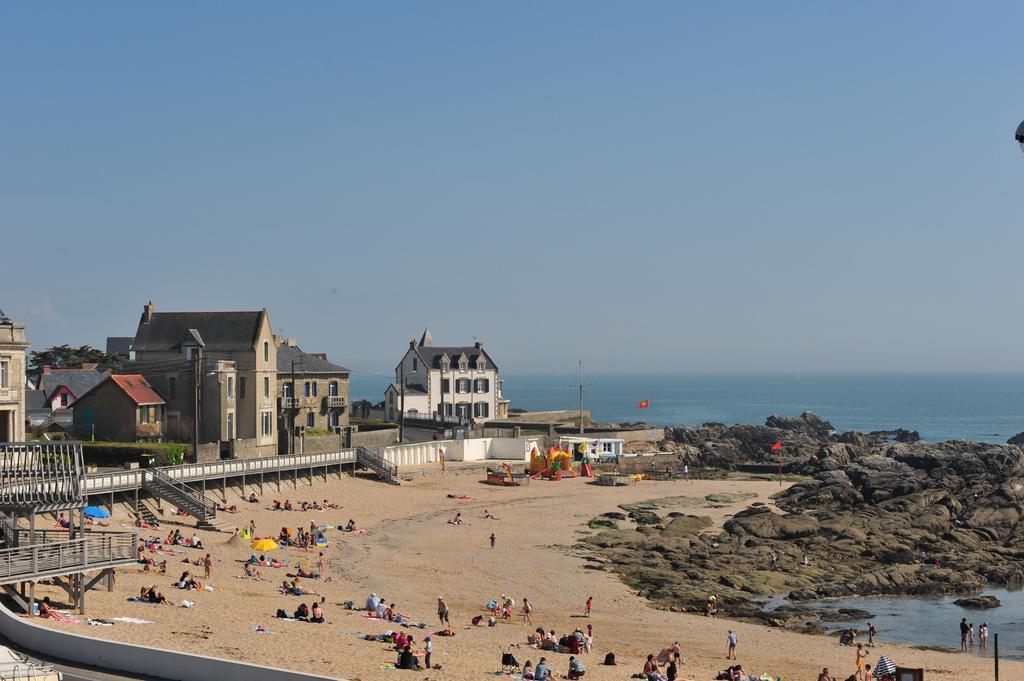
(38, 561)
(40, 475)
(335, 401)
(373, 458)
(454, 420)
(178, 493)
(124, 481)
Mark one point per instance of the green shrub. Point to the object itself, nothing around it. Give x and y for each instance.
(142, 453)
(317, 432)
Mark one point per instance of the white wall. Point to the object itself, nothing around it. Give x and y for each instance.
(475, 449)
(133, 659)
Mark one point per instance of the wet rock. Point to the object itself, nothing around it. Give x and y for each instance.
(978, 602)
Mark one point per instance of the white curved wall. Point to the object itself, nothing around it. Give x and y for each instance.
(133, 659)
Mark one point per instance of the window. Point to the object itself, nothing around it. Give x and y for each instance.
(333, 420)
(481, 410)
(448, 409)
(231, 425)
(143, 414)
(314, 388)
(266, 351)
(481, 385)
(462, 409)
(241, 387)
(446, 365)
(481, 363)
(334, 389)
(5, 373)
(446, 385)
(289, 420)
(231, 386)
(189, 353)
(286, 389)
(606, 447)
(463, 364)
(172, 387)
(311, 420)
(266, 386)
(462, 385)
(63, 399)
(267, 424)
(415, 364)
(307, 389)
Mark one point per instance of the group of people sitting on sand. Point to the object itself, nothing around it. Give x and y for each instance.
(302, 539)
(304, 614)
(577, 642)
(314, 505)
(542, 672)
(176, 538)
(188, 582)
(293, 588)
(149, 594)
(148, 562)
(670, 657)
(145, 525)
(64, 524)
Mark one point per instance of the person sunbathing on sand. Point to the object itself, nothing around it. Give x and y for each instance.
(151, 595)
(457, 520)
(252, 571)
(287, 505)
(488, 515)
(461, 497)
(331, 504)
(45, 609)
(227, 509)
(254, 498)
(276, 506)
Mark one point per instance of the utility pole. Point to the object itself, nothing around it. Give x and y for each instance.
(401, 404)
(295, 406)
(197, 379)
(581, 397)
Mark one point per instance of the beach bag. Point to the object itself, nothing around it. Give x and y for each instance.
(187, 604)
(282, 614)
(609, 659)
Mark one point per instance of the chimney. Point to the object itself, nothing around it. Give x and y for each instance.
(46, 368)
(412, 344)
(479, 345)
(147, 312)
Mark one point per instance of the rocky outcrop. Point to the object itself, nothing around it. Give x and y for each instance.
(878, 513)
(807, 423)
(978, 602)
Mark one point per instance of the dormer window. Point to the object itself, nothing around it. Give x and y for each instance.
(446, 364)
(480, 364)
(463, 363)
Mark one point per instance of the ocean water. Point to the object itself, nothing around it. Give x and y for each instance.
(983, 407)
(933, 621)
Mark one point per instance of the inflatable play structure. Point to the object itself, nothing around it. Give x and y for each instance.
(504, 477)
(556, 464)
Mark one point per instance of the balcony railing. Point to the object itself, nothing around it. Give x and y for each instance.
(335, 401)
(288, 402)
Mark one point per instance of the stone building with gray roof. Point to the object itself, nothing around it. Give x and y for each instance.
(312, 393)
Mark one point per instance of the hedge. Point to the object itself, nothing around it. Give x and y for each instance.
(143, 453)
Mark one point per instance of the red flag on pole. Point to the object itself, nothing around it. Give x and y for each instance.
(644, 404)
(777, 447)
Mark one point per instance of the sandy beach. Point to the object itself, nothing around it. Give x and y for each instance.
(410, 555)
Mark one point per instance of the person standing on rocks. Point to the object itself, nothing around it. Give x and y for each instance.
(731, 638)
(964, 628)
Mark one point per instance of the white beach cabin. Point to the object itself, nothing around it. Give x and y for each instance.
(598, 449)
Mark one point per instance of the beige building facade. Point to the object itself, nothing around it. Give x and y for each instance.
(312, 392)
(12, 380)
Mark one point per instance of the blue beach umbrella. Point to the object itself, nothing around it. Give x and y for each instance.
(96, 512)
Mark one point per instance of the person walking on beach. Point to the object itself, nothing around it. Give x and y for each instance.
(963, 634)
(492, 540)
(252, 530)
(686, 472)
(321, 564)
(442, 611)
(731, 639)
(428, 648)
(871, 634)
(589, 606)
(861, 654)
(527, 611)
(207, 567)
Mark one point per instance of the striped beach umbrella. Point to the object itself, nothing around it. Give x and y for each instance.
(885, 667)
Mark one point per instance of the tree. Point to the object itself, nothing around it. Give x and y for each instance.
(67, 357)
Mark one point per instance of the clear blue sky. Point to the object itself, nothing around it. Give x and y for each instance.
(657, 186)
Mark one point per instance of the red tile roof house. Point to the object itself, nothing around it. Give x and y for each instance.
(122, 408)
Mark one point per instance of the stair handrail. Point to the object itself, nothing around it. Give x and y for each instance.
(208, 508)
(373, 457)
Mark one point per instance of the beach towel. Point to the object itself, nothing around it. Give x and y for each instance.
(99, 622)
(64, 618)
(132, 620)
(258, 629)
